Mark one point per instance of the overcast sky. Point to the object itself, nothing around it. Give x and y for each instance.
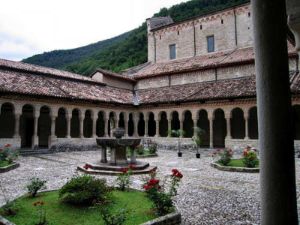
(29, 27)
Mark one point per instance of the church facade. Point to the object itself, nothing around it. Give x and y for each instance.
(200, 73)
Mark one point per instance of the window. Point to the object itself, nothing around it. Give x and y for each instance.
(172, 51)
(211, 43)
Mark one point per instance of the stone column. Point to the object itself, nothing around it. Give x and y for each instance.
(95, 117)
(81, 127)
(52, 136)
(211, 136)
(126, 124)
(68, 118)
(17, 125)
(136, 122)
(169, 124)
(228, 125)
(146, 128)
(35, 138)
(195, 120)
(157, 125)
(246, 116)
(181, 120)
(276, 144)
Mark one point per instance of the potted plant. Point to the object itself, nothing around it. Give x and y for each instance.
(197, 139)
(178, 133)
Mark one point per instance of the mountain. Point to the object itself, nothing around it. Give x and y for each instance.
(126, 50)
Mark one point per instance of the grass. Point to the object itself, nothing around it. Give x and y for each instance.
(57, 213)
(238, 163)
(4, 163)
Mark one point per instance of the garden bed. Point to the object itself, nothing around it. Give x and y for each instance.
(136, 202)
(5, 166)
(235, 165)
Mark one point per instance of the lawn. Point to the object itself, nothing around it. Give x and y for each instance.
(4, 163)
(238, 163)
(58, 213)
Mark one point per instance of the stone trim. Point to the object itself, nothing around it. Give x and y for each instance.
(4, 221)
(170, 219)
(235, 169)
(9, 167)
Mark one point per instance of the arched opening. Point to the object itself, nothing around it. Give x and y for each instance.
(175, 122)
(188, 125)
(203, 123)
(44, 127)
(111, 123)
(130, 125)
(253, 124)
(237, 124)
(100, 126)
(61, 124)
(88, 124)
(26, 126)
(163, 125)
(75, 124)
(121, 120)
(141, 125)
(7, 121)
(296, 118)
(151, 125)
(219, 129)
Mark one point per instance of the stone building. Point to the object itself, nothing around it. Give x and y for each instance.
(200, 72)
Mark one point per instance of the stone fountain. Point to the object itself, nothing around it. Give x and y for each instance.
(118, 156)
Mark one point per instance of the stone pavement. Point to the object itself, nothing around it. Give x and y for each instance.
(206, 195)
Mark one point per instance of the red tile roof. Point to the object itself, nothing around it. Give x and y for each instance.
(114, 75)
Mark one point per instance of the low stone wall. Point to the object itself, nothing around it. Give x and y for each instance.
(73, 144)
(170, 219)
(4, 221)
(14, 142)
(235, 169)
(9, 167)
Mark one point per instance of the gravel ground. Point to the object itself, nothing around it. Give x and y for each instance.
(206, 195)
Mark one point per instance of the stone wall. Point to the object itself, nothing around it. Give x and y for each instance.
(73, 144)
(231, 28)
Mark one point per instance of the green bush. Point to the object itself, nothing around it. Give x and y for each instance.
(250, 159)
(116, 218)
(153, 148)
(225, 156)
(140, 149)
(35, 185)
(84, 190)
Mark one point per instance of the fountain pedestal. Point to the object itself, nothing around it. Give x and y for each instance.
(118, 156)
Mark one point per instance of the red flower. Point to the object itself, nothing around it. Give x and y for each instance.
(176, 173)
(147, 187)
(245, 152)
(153, 182)
(124, 170)
(7, 145)
(87, 166)
(131, 166)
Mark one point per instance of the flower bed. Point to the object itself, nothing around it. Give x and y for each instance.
(7, 157)
(8, 167)
(234, 169)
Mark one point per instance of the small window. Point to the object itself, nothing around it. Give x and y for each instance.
(211, 43)
(172, 51)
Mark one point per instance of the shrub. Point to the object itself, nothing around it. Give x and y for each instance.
(225, 156)
(84, 190)
(153, 148)
(123, 179)
(117, 218)
(35, 185)
(250, 158)
(7, 154)
(140, 149)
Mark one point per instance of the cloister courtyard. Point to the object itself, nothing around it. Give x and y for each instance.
(206, 195)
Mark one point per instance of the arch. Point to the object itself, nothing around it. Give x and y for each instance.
(7, 121)
(121, 120)
(100, 126)
(61, 123)
(219, 129)
(163, 124)
(175, 122)
(253, 123)
(75, 123)
(130, 125)
(237, 124)
(188, 124)
(296, 118)
(88, 124)
(151, 125)
(141, 125)
(111, 122)
(44, 127)
(27, 126)
(203, 123)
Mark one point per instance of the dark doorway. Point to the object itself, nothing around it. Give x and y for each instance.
(237, 124)
(188, 125)
(7, 121)
(163, 125)
(203, 123)
(151, 125)
(253, 124)
(26, 126)
(44, 127)
(219, 129)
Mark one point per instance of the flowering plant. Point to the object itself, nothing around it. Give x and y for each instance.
(41, 212)
(7, 154)
(250, 157)
(161, 198)
(87, 166)
(225, 156)
(123, 179)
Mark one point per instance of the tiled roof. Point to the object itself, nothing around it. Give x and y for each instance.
(25, 67)
(114, 75)
(46, 86)
(206, 61)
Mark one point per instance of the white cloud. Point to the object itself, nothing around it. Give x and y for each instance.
(61, 24)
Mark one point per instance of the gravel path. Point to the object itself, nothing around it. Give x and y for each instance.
(206, 195)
